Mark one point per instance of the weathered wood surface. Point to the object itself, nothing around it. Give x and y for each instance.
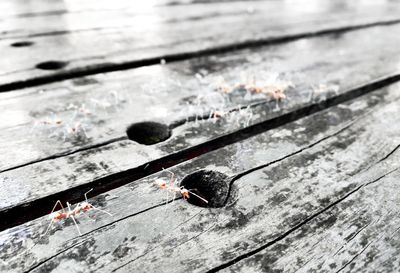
(359, 234)
(176, 86)
(20, 8)
(179, 86)
(317, 194)
(169, 31)
(311, 166)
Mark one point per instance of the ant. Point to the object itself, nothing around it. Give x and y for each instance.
(71, 213)
(217, 114)
(185, 193)
(59, 215)
(273, 90)
(54, 122)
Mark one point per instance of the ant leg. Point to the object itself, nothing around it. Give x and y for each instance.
(76, 224)
(73, 218)
(84, 131)
(55, 205)
(166, 202)
(65, 133)
(36, 123)
(93, 207)
(87, 216)
(86, 195)
(171, 184)
(52, 220)
(172, 179)
(48, 228)
(201, 198)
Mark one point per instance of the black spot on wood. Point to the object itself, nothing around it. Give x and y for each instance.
(210, 185)
(148, 132)
(51, 65)
(22, 44)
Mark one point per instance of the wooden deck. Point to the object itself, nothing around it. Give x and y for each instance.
(111, 96)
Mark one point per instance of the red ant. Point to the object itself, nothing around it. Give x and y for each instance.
(71, 213)
(275, 90)
(54, 121)
(185, 193)
(217, 114)
(59, 215)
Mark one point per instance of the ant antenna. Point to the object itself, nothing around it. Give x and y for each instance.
(86, 195)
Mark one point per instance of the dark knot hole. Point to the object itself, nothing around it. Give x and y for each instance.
(148, 132)
(210, 185)
(51, 65)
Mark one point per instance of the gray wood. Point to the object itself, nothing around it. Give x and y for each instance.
(173, 84)
(360, 234)
(98, 37)
(42, 8)
(323, 158)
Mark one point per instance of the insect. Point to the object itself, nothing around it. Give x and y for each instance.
(224, 88)
(217, 114)
(274, 90)
(75, 130)
(82, 207)
(170, 187)
(48, 121)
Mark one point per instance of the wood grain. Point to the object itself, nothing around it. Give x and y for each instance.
(309, 167)
(179, 92)
(100, 40)
(174, 85)
(358, 234)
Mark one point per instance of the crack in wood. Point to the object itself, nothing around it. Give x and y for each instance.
(244, 173)
(111, 67)
(85, 235)
(389, 154)
(298, 226)
(55, 255)
(144, 254)
(355, 256)
(66, 153)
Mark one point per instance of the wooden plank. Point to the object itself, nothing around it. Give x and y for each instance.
(309, 166)
(123, 14)
(50, 177)
(174, 85)
(41, 8)
(84, 46)
(360, 234)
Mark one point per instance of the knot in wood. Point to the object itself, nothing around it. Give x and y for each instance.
(210, 185)
(51, 65)
(148, 132)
